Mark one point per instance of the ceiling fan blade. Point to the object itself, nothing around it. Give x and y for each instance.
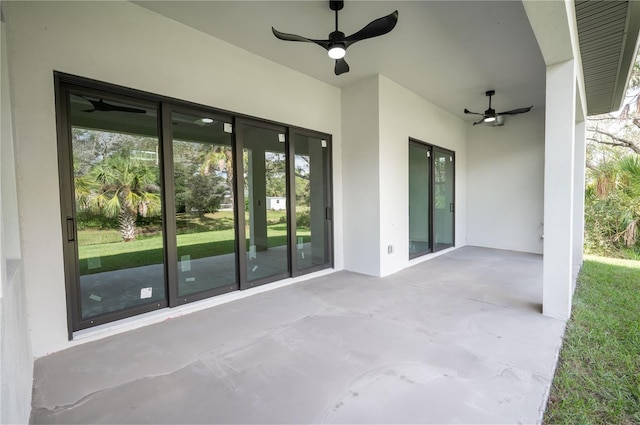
(516, 111)
(102, 106)
(479, 121)
(375, 28)
(293, 37)
(341, 66)
(466, 111)
(126, 109)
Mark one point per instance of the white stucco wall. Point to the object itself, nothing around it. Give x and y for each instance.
(360, 132)
(505, 177)
(122, 43)
(379, 116)
(16, 359)
(404, 114)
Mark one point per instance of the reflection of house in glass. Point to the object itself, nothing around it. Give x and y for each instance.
(276, 203)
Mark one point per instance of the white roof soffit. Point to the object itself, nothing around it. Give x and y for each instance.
(448, 52)
(608, 34)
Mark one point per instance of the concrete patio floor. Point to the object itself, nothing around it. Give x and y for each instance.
(457, 339)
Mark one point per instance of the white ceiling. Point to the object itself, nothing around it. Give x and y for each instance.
(449, 52)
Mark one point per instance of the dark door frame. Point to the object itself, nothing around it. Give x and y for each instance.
(328, 213)
(428, 147)
(242, 251)
(66, 84)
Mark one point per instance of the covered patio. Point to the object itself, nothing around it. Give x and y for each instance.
(456, 339)
(375, 335)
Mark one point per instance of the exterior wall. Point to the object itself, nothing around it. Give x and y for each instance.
(122, 43)
(360, 132)
(16, 359)
(505, 179)
(404, 114)
(379, 117)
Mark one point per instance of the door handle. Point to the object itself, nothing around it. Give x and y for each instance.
(452, 207)
(71, 229)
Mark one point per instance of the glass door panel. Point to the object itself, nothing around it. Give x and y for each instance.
(265, 196)
(203, 190)
(419, 199)
(443, 201)
(311, 195)
(118, 205)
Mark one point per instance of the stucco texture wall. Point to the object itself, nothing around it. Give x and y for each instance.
(124, 44)
(403, 114)
(16, 359)
(361, 133)
(379, 117)
(506, 183)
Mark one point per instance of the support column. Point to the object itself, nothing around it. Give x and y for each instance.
(578, 199)
(559, 190)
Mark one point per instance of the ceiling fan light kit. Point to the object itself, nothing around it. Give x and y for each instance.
(337, 52)
(338, 43)
(493, 118)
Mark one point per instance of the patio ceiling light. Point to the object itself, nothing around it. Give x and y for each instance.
(207, 120)
(337, 51)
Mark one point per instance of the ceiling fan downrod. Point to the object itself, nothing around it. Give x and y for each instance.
(336, 6)
(490, 111)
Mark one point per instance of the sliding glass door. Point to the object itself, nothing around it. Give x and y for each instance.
(419, 199)
(165, 202)
(431, 198)
(312, 202)
(265, 195)
(115, 186)
(443, 201)
(202, 156)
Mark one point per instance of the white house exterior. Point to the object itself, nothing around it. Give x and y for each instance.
(517, 187)
(276, 203)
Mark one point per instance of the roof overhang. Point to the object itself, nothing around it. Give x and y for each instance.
(608, 35)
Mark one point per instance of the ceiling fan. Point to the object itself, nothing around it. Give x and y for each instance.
(338, 43)
(492, 117)
(102, 106)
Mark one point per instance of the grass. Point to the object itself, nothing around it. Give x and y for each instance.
(598, 375)
(102, 250)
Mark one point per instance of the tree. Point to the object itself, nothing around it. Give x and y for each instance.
(612, 206)
(123, 187)
(205, 194)
(219, 158)
(612, 199)
(275, 174)
(616, 133)
(181, 174)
